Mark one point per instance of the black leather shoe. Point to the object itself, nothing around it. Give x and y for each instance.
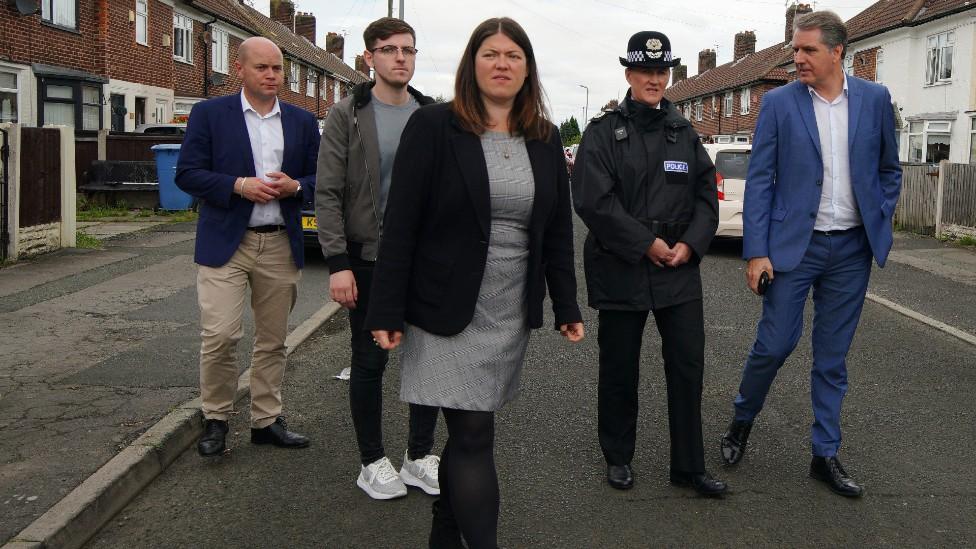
(829, 471)
(444, 532)
(211, 442)
(703, 483)
(620, 477)
(734, 441)
(278, 434)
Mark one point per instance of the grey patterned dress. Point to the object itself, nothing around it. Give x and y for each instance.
(479, 368)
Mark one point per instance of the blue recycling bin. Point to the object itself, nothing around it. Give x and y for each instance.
(170, 196)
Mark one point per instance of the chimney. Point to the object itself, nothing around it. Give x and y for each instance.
(283, 11)
(678, 74)
(745, 43)
(361, 65)
(706, 60)
(305, 26)
(791, 13)
(335, 44)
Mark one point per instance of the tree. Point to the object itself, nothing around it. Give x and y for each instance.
(569, 131)
(612, 104)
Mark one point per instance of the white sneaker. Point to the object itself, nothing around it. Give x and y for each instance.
(421, 473)
(379, 479)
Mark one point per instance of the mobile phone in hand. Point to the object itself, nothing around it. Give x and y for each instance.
(763, 283)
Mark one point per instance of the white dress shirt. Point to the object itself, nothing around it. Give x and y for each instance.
(838, 206)
(267, 148)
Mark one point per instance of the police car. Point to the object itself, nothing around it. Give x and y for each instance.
(731, 166)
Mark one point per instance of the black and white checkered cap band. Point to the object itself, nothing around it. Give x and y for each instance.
(638, 56)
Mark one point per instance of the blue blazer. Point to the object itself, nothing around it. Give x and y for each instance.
(782, 194)
(216, 151)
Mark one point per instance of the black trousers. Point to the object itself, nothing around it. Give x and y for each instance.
(682, 329)
(366, 384)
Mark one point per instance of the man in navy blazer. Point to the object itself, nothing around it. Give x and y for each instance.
(822, 186)
(250, 160)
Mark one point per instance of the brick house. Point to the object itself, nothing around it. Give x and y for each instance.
(95, 64)
(722, 102)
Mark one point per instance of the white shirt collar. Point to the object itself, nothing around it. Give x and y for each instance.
(246, 106)
(814, 92)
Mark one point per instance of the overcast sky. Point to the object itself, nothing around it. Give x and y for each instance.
(576, 41)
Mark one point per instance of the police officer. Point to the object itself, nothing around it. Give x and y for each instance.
(645, 188)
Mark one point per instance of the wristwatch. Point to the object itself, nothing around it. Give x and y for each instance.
(298, 190)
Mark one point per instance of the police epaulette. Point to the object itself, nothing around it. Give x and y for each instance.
(600, 115)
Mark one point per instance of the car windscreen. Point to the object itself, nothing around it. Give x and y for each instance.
(732, 164)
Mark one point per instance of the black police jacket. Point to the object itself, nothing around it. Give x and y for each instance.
(632, 186)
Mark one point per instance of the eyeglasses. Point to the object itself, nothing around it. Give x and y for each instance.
(391, 50)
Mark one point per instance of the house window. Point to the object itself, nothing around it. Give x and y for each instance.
(8, 97)
(324, 89)
(714, 105)
(294, 76)
(928, 140)
(972, 141)
(71, 103)
(849, 64)
(938, 57)
(698, 110)
(879, 67)
(142, 22)
(727, 107)
(220, 51)
(63, 13)
(182, 38)
(312, 82)
(336, 92)
(744, 98)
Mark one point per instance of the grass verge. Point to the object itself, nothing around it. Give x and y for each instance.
(83, 240)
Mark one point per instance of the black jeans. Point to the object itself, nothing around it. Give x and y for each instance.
(366, 384)
(682, 329)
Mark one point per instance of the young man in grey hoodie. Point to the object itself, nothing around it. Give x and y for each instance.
(355, 163)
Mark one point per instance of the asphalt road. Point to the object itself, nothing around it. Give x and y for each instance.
(908, 438)
(97, 346)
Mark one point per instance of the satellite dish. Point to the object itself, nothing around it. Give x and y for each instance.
(25, 7)
(217, 79)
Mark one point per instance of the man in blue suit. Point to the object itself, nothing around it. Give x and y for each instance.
(250, 160)
(822, 186)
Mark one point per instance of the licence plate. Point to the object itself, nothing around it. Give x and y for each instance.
(309, 223)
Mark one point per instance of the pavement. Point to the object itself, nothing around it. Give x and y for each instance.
(907, 436)
(98, 347)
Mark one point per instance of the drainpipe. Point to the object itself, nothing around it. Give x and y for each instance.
(4, 159)
(206, 58)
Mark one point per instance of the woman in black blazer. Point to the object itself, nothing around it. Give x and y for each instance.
(477, 225)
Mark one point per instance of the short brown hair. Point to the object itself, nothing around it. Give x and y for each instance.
(529, 117)
(385, 27)
(833, 31)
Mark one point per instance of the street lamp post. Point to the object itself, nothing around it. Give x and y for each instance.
(587, 107)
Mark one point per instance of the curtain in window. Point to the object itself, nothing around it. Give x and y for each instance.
(61, 114)
(8, 97)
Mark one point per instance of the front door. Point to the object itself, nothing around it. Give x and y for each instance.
(117, 102)
(140, 110)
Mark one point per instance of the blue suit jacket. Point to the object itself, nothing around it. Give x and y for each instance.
(782, 194)
(216, 151)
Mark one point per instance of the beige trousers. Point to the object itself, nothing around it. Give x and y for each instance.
(264, 261)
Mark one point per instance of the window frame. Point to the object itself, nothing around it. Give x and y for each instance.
(698, 110)
(186, 30)
(17, 96)
(144, 18)
(729, 104)
(745, 100)
(311, 82)
(878, 66)
(714, 106)
(972, 140)
(336, 91)
(294, 76)
(77, 100)
(933, 72)
(51, 17)
(219, 50)
(929, 128)
(849, 64)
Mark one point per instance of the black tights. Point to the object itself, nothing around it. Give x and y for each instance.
(469, 484)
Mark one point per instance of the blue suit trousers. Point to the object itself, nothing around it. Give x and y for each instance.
(838, 267)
